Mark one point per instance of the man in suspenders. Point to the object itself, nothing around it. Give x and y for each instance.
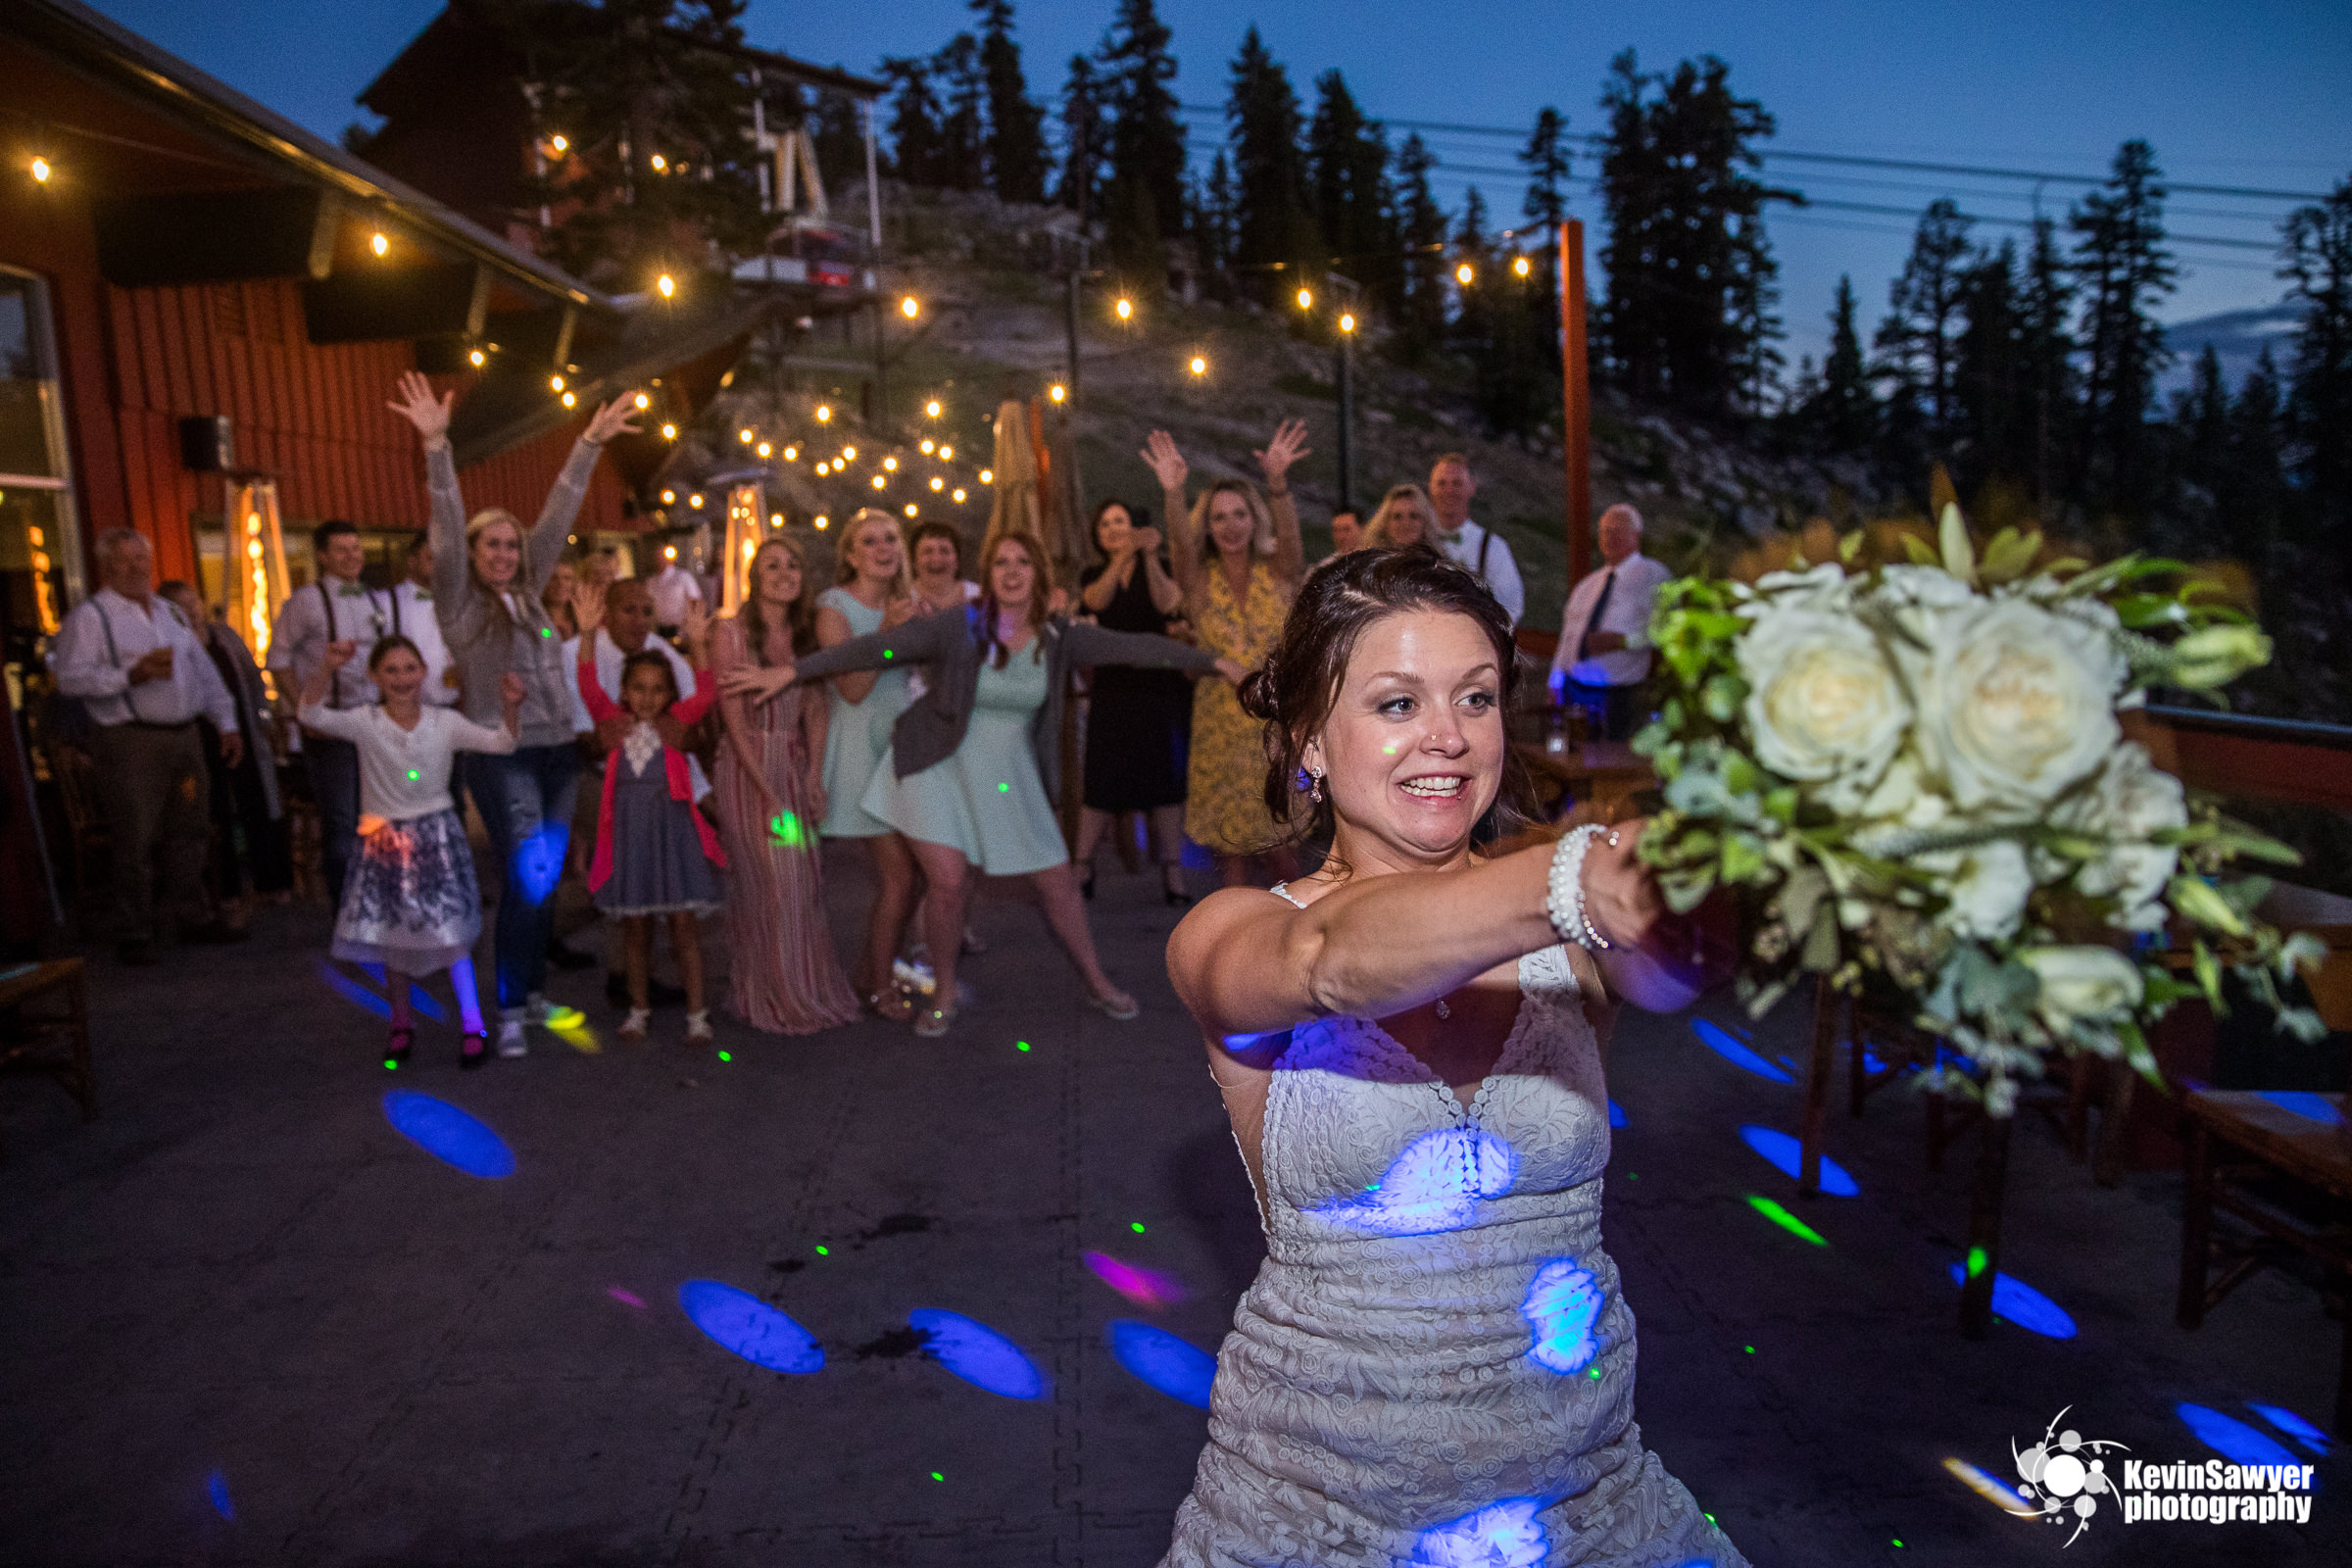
(1466, 544)
(336, 608)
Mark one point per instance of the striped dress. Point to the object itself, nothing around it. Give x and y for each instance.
(784, 976)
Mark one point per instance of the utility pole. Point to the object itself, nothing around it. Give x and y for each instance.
(1070, 307)
(1576, 401)
(1343, 372)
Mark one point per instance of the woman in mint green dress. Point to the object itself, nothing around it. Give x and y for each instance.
(973, 770)
(870, 591)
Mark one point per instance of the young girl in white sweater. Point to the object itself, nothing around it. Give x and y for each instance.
(410, 903)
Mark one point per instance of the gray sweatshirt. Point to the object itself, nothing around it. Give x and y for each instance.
(485, 645)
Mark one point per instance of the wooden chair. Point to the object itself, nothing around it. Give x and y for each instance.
(44, 1007)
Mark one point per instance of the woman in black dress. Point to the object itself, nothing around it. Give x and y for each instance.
(1139, 721)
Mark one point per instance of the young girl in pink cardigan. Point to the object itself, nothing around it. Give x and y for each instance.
(655, 853)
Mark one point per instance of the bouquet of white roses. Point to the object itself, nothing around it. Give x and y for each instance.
(1917, 771)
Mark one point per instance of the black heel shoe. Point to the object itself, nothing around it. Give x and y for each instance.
(396, 1051)
(1174, 897)
(474, 1052)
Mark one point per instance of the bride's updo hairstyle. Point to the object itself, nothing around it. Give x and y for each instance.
(1293, 691)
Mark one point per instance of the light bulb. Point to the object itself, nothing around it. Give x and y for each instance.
(822, 522)
(1347, 321)
(1125, 307)
(643, 401)
(1463, 273)
(670, 433)
(824, 411)
(666, 285)
(695, 501)
(959, 495)
(792, 454)
(1199, 366)
(775, 519)
(1307, 299)
(379, 243)
(560, 144)
(41, 170)
(1057, 391)
(555, 383)
(743, 435)
(988, 476)
(765, 449)
(569, 399)
(930, 445)
(669, 552)
(909, 308)
(931, 408)
(1522, 266)
(478, 358)
(660, 165)
(946, 453)
(879, 481)
(910, 508)
(937, 484)
(668, 496)
(848, 453)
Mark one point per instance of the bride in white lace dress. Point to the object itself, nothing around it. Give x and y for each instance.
(1434, 1366)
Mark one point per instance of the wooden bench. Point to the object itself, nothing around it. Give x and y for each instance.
(43, 1007)
(2239, 1142)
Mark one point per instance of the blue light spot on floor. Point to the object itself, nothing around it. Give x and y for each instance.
(2303, 1102)
(979, 1355)
(373, 971)
(1501, 1535)
(1786, 1156)
(1871, 1062)
(1175, 1367)
(2024, 1305)
(740, 1322)
(1562, 1306)
(539, 861)
(217, 1488)
(1616, 1115)
(447, 1134)
(1431, 1187)
(2230, 1438)
(1714, 1038)
(2293, 1425)
(350, 990)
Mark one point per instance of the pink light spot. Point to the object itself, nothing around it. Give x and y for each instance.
(625, 1298)
(1144, 1287)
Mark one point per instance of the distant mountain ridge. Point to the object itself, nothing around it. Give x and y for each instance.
(2238, 338)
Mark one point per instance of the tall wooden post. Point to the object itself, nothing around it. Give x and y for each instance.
(1576, 401)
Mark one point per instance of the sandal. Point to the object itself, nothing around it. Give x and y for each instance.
(883, 1002)
(476, 1050)
(1118, 1005)
(972, 945)
(933, 1022)
(396, 1053)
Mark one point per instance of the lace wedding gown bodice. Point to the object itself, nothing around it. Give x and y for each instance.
(1435, 1365)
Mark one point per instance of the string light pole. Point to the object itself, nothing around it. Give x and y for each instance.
(1576, 400)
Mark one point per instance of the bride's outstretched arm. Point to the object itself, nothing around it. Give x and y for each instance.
(1246, 962)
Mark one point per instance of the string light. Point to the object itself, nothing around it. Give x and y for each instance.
(743, 435)
(909, 308)
(1463, 273)
(930, 445)
(891, 464)
(879, 481)
(1199, 366)
(41, 170)
(765, 449)
(1307, 299)
(959, 495)
(555, 383)
(937, 484)
(669, 497)
(666, 285)
(478, 358)
(910, 508)
(931, 410)
(379, 243)
(1522, 266)
(775, 519)
(695, 501)
(946, 453)
(670, 433)
(560, 144)
(822, 522)
(643, 401)
(1125, 307)
(1347, 321)
(569, 399)
(669, 552)
(988, 476)
(661, 165)
(824, 411)
(792, 454)
(848, 453)
(1057, 391)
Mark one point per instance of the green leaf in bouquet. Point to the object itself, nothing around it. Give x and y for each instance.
(2302, 951)
(1722, 697)
(1917, 548)
(2134, 1041)
(2212, 655)
(1741, 775)
(2010, 556)
(2208, 970)
(1802, 894)
(2197, 900)
(1685, 890)
(1850, 547)
(2140, 611)
(1743, 858)
(1781, 804)
(1959, 552)
(1822, 950)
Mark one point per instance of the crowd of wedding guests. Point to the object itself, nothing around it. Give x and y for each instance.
(681, 764)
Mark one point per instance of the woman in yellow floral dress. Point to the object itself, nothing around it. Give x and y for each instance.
(1238, 556)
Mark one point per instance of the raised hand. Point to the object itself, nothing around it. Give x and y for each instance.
(611, 419)
(341, 653)
(1144, 541)
(1288, 447)
(898, 611)
(693, 631)
(416, 404)
(587, 609)
(1159, 451)
(511, 691)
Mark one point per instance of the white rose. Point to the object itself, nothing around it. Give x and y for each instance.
(1821, 587)
(2085, 984)
(1917, 595)
(2132, 801)
(2015, 704)
(1823, 706)
(1986, 884)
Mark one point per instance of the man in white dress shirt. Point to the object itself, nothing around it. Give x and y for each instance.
(672, 586)
(414, 619)
(337, 608)
(143, 678)
(1604, 632)
(1488, 555)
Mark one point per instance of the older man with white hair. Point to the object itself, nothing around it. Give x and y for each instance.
(143, 678)
(1604, 632)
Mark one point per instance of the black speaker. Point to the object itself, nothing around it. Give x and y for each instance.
(206, 445)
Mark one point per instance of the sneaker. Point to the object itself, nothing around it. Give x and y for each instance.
(698, 1028)
(510, 1038)
(634, 1025)
(932, 1022)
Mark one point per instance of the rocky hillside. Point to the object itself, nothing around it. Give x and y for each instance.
(992, 327)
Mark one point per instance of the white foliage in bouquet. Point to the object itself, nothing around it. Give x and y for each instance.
(1916, 773)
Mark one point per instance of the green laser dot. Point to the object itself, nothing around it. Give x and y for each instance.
(1004, 789)
(888, 652)
(1898, 1541)
(546, 631)
(390, 1065)
(725, 1056)
(936, 1476)
(820, 1251)
(1020, 1044)
(1710, 1518)
(1976, 1261)
(1597, 1374)
(413, 775)
(1750, 1348)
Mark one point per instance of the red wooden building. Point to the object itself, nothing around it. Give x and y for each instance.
(198, 298)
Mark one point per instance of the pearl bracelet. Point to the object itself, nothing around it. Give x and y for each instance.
(1564, 898)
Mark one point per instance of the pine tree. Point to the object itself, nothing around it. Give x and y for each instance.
(1348, 168)
(1848, 417)
(964, 127)
(2201, 432)
(1212, 228)
(1421, 233)
(1086, 145)
(1016, 139)
(1919, 341)
(2046, 346)
(2124, 268)
(1688, 319)
(1147, 141)
(1547, 165)
(916, 150)
(2256, 494)
(1273, 228)
(1755, 359)
(1990, 434)
(2318, 256)
(839, 140)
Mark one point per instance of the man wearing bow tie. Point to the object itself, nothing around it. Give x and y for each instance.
(1464, 543)
(336, 608)
(1604, 632)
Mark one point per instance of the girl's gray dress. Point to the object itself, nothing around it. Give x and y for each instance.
(658, 867)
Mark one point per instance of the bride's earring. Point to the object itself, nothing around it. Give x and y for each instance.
(1314, 788)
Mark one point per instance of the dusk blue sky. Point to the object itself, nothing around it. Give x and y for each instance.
(2251, 94)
